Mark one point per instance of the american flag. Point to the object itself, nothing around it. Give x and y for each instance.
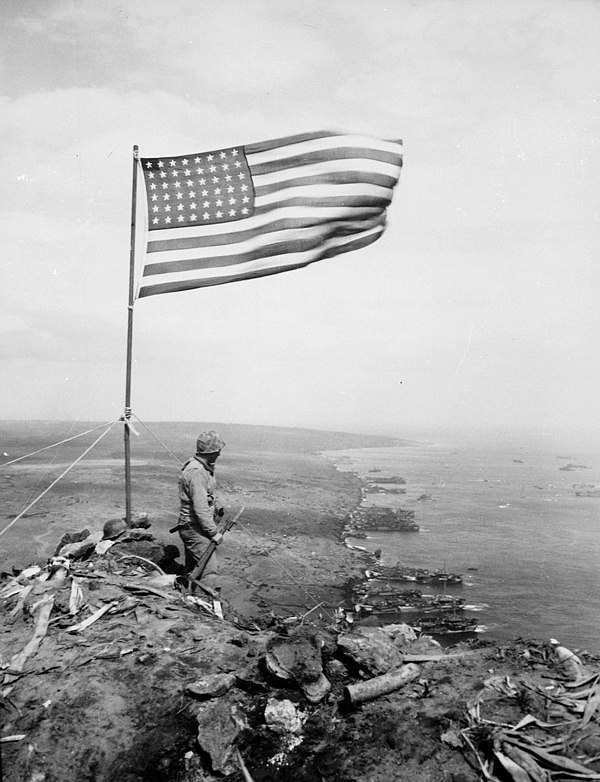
(249, 211)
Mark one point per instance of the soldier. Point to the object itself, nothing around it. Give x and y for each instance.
(198, 512)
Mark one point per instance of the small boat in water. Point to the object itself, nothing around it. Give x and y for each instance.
(445, 625)
(423, 576)
(442, 577)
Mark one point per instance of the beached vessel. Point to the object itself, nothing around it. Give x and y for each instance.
(399, 603)
(381, 520)
(445, 625)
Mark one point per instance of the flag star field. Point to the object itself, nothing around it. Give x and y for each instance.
(198, 190)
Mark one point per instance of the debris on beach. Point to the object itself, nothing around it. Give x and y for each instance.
(366, 519)
(558, 736)
(101, 642)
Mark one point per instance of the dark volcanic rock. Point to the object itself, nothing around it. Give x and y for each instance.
(211, 685)
(370, 649)
(219, 724)
(299, 659)
(71, 537)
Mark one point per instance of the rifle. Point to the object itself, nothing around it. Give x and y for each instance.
(196, 573)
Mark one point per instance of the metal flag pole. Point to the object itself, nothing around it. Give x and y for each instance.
(127, 411)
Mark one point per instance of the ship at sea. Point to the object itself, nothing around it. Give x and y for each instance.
(400, 573)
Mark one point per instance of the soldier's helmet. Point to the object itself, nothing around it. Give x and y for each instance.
(209, 442)
(113, 528)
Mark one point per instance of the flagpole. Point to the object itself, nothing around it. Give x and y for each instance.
(127, 411)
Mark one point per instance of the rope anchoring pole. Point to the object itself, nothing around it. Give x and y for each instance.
(54, 482)
(54, 445)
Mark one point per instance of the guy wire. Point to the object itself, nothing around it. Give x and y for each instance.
(279, 565)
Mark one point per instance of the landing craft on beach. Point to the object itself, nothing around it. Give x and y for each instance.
(445, 625)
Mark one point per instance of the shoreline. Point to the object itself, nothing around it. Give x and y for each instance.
(509, 598)
(135, 696)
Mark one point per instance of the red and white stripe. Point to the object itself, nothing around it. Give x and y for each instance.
(316, 196)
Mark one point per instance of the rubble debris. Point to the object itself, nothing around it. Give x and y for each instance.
(246, 774)
(14, 737)
(57, 574)
(76, 597)
(211, 685)
(148, 548)
(81, 549)
(220, 722)
(282, 716)
(568, 663)
(81, 626)
(299, 659)
(370, 649)
(71, 537)
(140, 519)
(528, 717)
(152, 564)
(135, 533)
(538, 749)
(103, 546)
(400, 634)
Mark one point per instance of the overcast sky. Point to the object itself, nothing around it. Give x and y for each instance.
(479, 306)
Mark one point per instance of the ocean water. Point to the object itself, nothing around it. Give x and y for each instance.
(504, 513)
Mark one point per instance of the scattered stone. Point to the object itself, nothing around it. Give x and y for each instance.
(136, 533)
(82, 548)
(371, 649)
(299, 659)
(248, 680)
(336, 670)
(567, 661)
(211, 686)
(219, 724)
(71, 537)
(425, 644)
(62, 598)
(140, 520)
(452, 739)
(401, 634)
(282, 716)
(150, 549)
(103, 546)
(590, 745)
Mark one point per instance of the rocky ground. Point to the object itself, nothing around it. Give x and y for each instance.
(159, 687)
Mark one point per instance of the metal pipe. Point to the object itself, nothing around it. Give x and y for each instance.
(381, 685)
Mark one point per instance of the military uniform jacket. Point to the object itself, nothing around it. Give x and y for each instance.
(197, 496)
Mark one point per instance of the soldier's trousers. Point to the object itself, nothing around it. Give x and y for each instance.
(195, 543)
